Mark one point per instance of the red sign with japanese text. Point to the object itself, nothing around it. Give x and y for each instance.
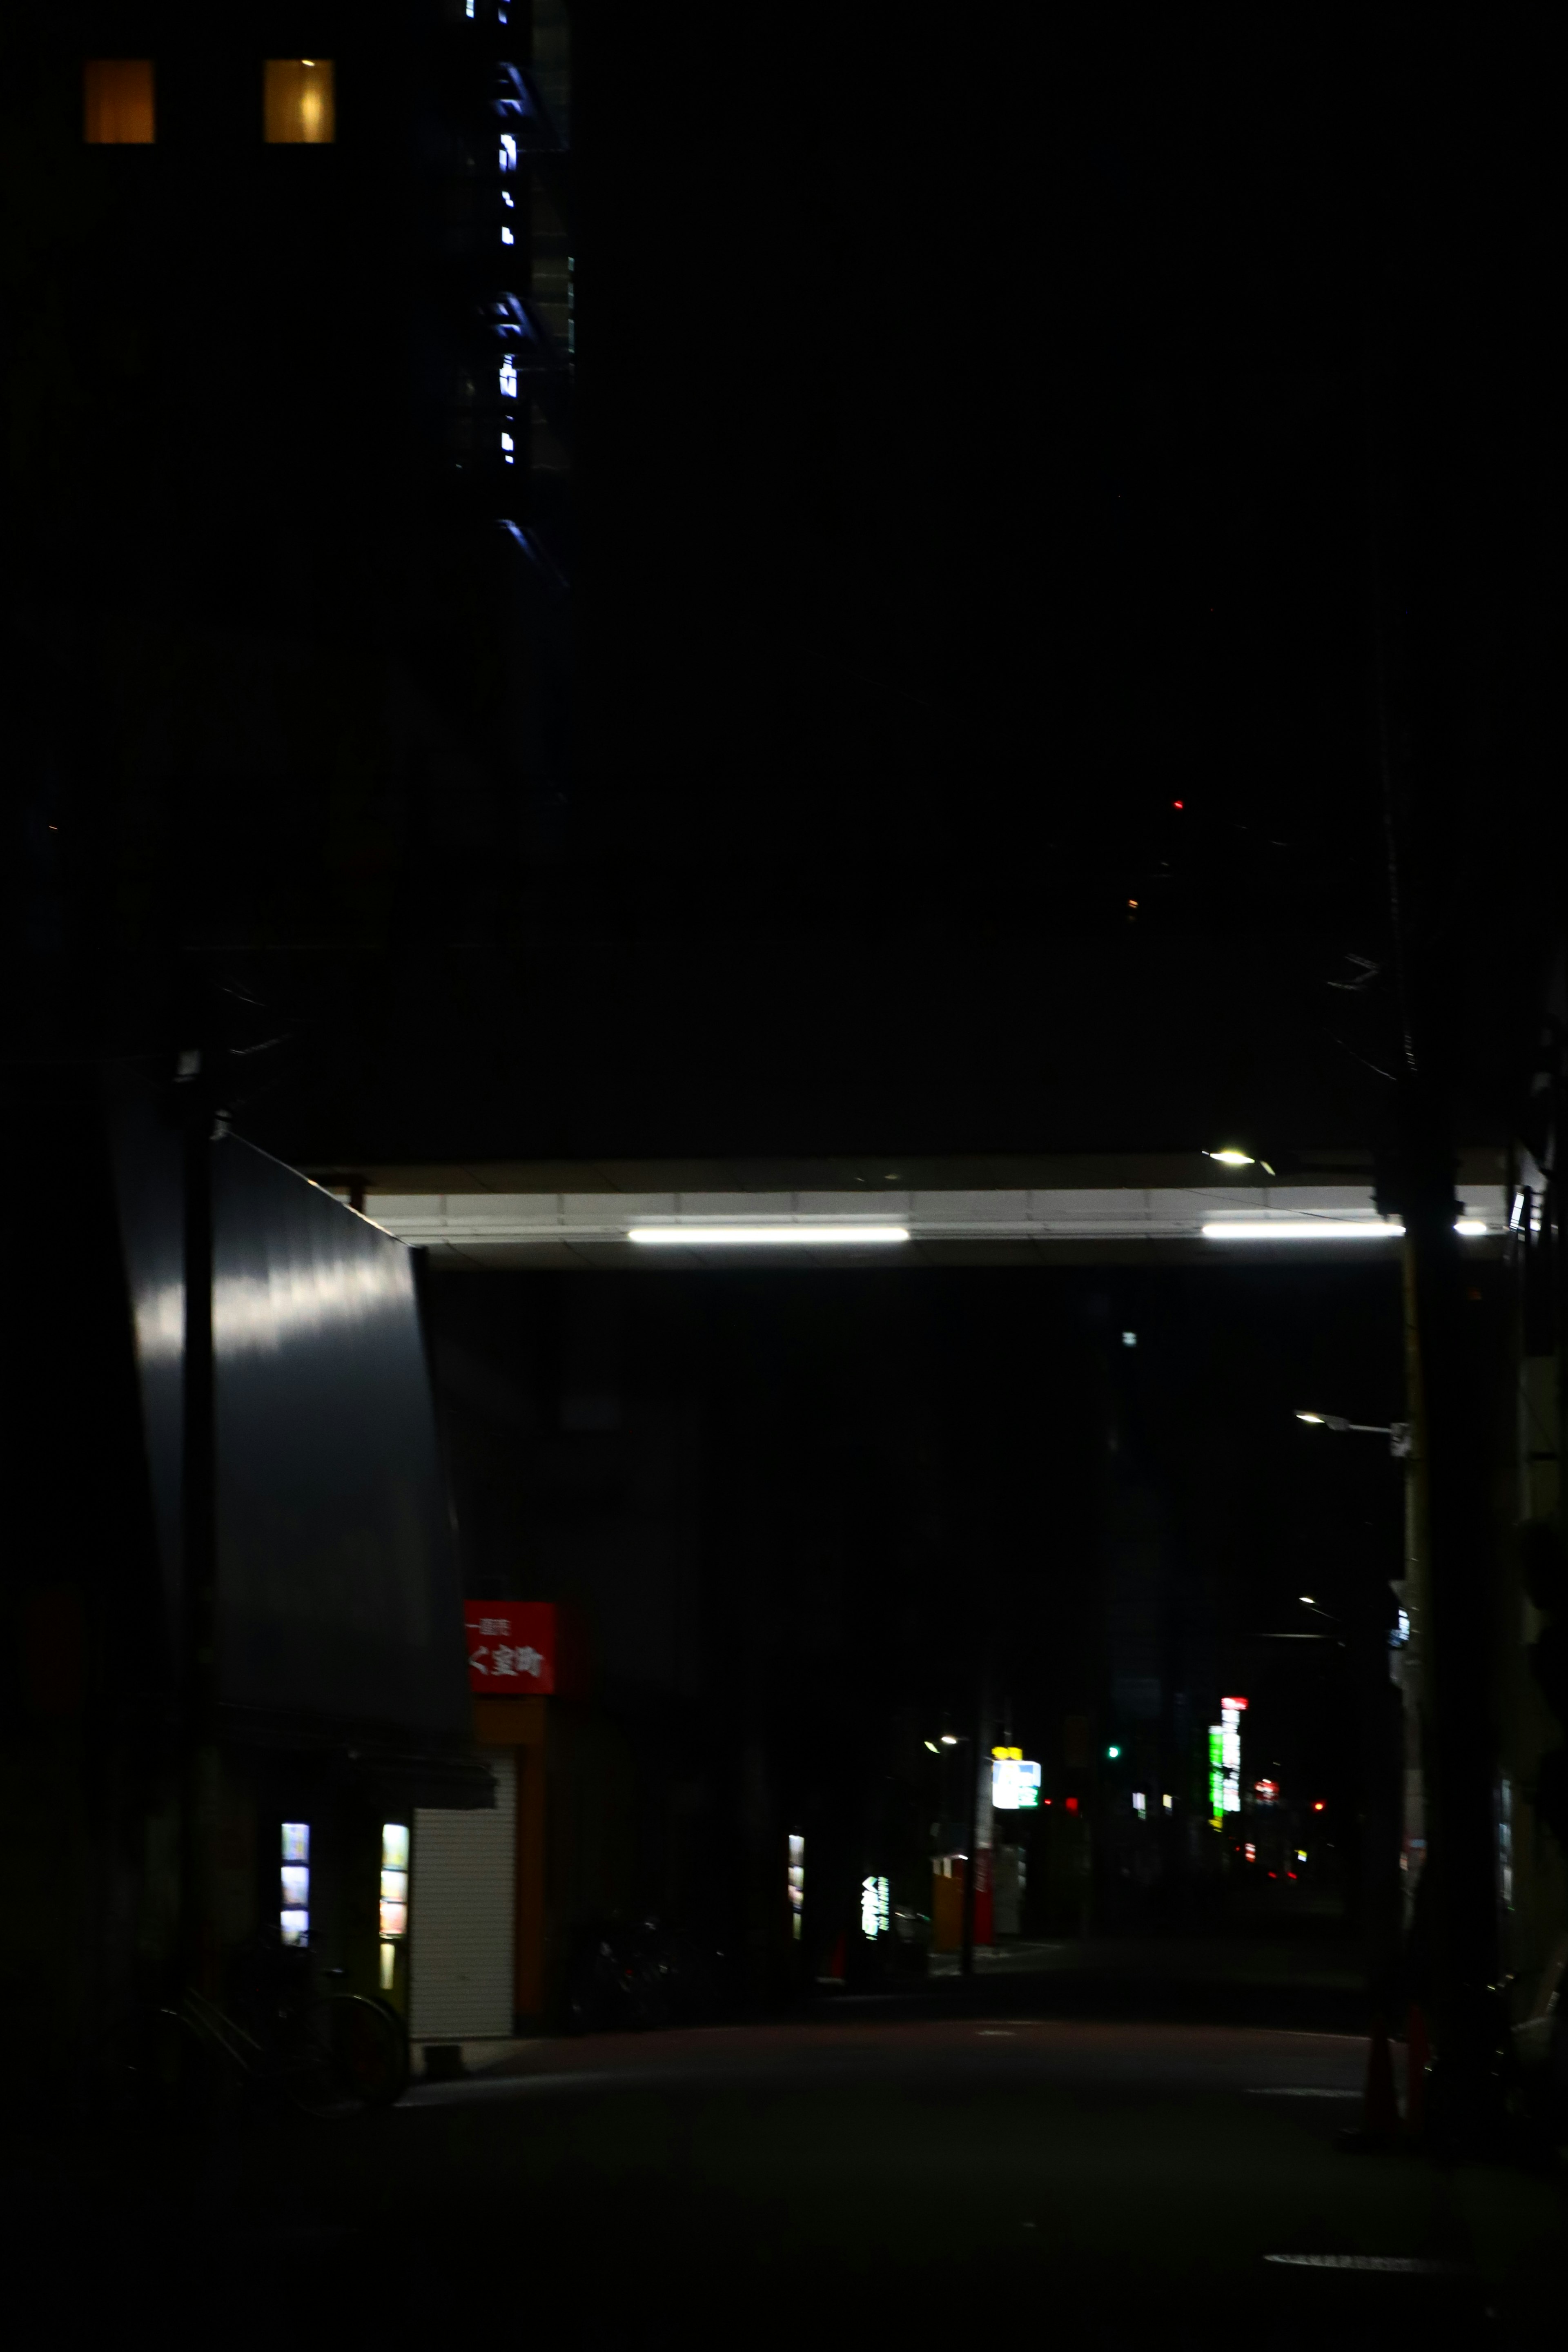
(511, 1647)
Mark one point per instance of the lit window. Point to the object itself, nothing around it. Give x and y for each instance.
(507, 442)
(117, 103)
(797, 1883)
(509, 379)
(507, 237)
(298, 106)
(394, 1879)
(294, 1884)
(394, 1898)
(508, 152)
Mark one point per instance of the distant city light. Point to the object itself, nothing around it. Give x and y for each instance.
(1306, 1600)
(1317, 1804)
(950, 1739)
(1130, 1339)
(932, 1746)
(1229, 1157)
(1113, 1753)
(765, 1236)
(1178, 804)
(1470, 1227)
(1315, 1418)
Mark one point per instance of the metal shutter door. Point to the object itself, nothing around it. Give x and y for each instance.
(460, 1917)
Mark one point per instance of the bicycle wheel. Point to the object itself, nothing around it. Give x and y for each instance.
(342, 2056)
(154, 2068)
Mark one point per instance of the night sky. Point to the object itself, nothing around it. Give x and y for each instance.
(971, 463)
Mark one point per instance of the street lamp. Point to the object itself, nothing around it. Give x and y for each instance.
(1396, 1431)
(1308, 1603)
(1230, 1155)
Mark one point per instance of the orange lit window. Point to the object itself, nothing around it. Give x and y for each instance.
(117, 103)
(298, 102)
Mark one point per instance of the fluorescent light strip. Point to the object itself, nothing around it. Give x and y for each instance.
(1325, 1229)
(761, 1236)
(1302, 1229)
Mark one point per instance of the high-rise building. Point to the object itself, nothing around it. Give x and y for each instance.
(290, 402)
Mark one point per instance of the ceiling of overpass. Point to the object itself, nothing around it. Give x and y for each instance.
(499, 1217)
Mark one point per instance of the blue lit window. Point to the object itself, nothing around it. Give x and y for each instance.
(507, 237)
(508, 152)
(509, 378)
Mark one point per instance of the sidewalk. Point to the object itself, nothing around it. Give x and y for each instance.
(1221, 1959)
(475, 2057)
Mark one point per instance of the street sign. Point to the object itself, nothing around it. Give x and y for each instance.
(511, 1647)
(1014, 1784)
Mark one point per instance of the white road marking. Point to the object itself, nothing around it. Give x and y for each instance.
(1406, 2266)
(1296, 2091)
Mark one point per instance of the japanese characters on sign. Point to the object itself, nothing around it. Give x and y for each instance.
(511, 1647)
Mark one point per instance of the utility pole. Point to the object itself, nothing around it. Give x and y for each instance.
(1450, 1421)
(980, 1762)
(199, 1794)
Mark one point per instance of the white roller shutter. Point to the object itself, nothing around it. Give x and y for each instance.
(461, 1903)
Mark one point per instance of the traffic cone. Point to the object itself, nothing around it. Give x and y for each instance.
(1418, 2053)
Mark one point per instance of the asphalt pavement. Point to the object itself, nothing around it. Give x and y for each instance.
(1004, 2176)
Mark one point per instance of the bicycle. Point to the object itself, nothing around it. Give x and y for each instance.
(334, 2055)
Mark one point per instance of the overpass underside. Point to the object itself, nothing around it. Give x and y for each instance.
(1175, 1209)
